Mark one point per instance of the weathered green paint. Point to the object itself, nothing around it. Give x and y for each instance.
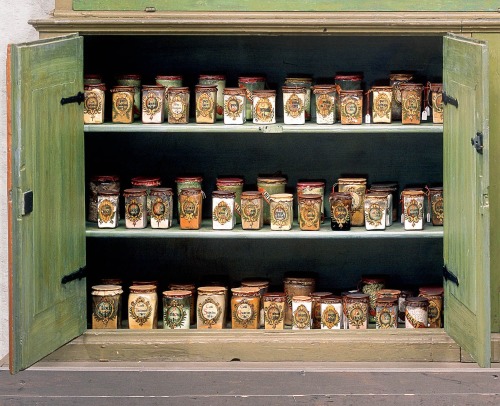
(47, 158)
(466, 180)
(284, 5)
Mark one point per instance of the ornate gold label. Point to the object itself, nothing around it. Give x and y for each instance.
(133, 211)
(205, 105)
(413, 211)
(357, 314)
(106, 211)
(122, 105)
(301, 317)
(374, 215)
(151, 104)
(351, 109)
(357, 197)
(233, 107)
(93, 103)
(340, 213)
(264, 110)
(177, 107)
(434, 313)
(414, 322)
(175, 315)
(273, 314)
(294, 106)
(280, 214)
(250, 212)
(382, 105)
(189, 208)
(159, 209)
(330, 317)
(222, 213)
(386, 318)
(438, 208)
(310, 214)
(209, 312)
(324, 105)
(140, 310)
(437, 102)
(105, 310)
(411, 106)
(244, 313)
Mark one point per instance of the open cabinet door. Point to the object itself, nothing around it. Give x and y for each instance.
(466, 180)
(46, 197)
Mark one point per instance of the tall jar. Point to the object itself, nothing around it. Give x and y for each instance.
(245, 308)
(281, 211)
(351, 107)
(223, 210)
(135, 208)
(190, 212)
(274, 310)
(375, 210)
(162, 204)
(356, 311)
(296, 286)
(436, 90)
(301, 312)
(264, 107)
(317, 298)
(142, 307)
(206, 103)
(416, 312)
(106, 306)
(396, 79)
(392, 188)
(263, 286)
(413, 209)
(250, 84)
(153, 101)
(436, 205)
(357, 188)
(135, 82)
(347, 82)
(340, 211)
(146, 182)
(309, 212)
(107, 208)
(371, 285)
(306, 83)
(178, 105)
(122, 104)
(382, 104)
(192, 298)
(268, 186)
(252, 205)
(435, 311)
(234, 185)
(411, 102)
(331, 313)
(168, 81)
(234, 100)
(313, 188)
(93, 105)
(220, 82)
(386, 312)
(325, 102)
(100, 182)
(186, 182)
(294, 99)
(176, 309)
(211, 307)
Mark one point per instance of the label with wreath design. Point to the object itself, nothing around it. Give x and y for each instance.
(140, 310)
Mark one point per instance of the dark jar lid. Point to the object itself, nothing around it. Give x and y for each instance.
(223, 194)
(229, 181)
(160, 191)
(294, 89)
(417, 302)
(182, 179)
(105, 191)
(251, 79)
(340, 195)
(168, 77)
(353, 78)
(386, 301)
(311, 183)
(153, 87)
(205, 88)
(320, 295)
(274, 296)
(146, 181)
(431, 290)
(212, 77)
(105, 178)
(135, 192)
(251, 195)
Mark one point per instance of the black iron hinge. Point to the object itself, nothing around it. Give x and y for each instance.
(447, 99)
(448, 276)
(78, 274)
(78, 98)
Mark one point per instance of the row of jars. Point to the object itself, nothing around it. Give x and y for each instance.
(251, 306)
(352, 204)
(168, 100)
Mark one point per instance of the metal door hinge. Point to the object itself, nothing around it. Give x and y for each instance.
(477, 142)
(27, 203)
(447, 99)
(79, 274)
(77, 98)
(448, 276)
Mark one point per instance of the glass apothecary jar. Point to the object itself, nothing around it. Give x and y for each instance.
(245, 308)
(211, 307)
(142, 307)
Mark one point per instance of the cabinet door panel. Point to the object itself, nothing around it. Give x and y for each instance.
(46, 156)
(466, 180)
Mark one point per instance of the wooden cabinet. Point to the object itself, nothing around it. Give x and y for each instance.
(52, 156)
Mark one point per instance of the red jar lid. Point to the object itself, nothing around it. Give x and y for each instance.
(230, 181)
(161, 191)
(181, 89)
(372, 279)
(145, 181)
(135, 192)
(431, 290)
(349, 77)
(105, 178)
(200, 88)
(133, 76)
(251, 79)
(182, 179)
(318, 295)
(212, 77)
(310, 184)
(223, 194)
(168, 77)
(92, 76)
(100, 86)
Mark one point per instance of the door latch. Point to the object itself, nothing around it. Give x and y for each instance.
(77, 98)
(449, 276)
(477, 142)
(78, 274)
(447, 99)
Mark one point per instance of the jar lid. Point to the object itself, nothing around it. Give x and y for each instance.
(354, 77)
(282, 196)
(223, 194)
(352, 180)
(379, 194)
(212, 77)
(340, 195)
(382, 88)
(385, 184)
(311, 183)
(180, 294)
(107, 288)
(153, 87)
(182, 286)
(301, 298)
(431, 290)
(237, 91)
(181, 89)
(168, 77)
(142, 288)
(211, 290)
(298, 80)
(251, 79)
(417, 301)
(135, 192)
(275, 296)
(111, 281)
(388, 292)
(92, 76)
(372, 279)
(386, 300)
(411, 86)
(357, 296)
(158, 191)
(108, 191)
(255, 282)
(352, 92)
(132, 76)
(229, 181)
(251, 195)
(264, 93)
(246, 291)
(272, 180)
(400, 76)
(294, 89)
(154, 283)
(183, 179)
(146, 181)
(90, 86)
(407, 192)
(105, 178)
(324, 89)
(319, 295)
(118, 89)
(305, 281)
(375, 189)
(190, 191)
(436, 189)
(331, 300)
(207, 88)
(304, 197)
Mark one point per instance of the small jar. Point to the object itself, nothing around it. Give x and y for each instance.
(411, 102)
(376, 210)
(396, 79)
(206, 104)
(435, 310)
(93, 105)
(392, 188)
(356, 310)
(135, 208)
(250, 84)
(234, 105)
(313, 188)
(294, 99)
(101, 182)
(178, 105)
(386, 312)
(122, 104)
(357, 188)
(347, 82)
(211, 307)
(351, 106)
(234, 185)
(263, 286)
(309, 212)
(186, 182)
(331, 313)
(176, 309)
(223, 210)
(264, 107)
(269, 186)
(107, 208)
(106, 306)
(436, 90)
(274, 310)
(192, 299)
(301, 312)
(252, 205)
(220, 82)
(307, 84)
(168, 81)
(162, 204)
(413, 209)
(281, 211)
(190, 212)
(153, 100)
(296, 286)
(340, 211)
(325, 101)
(382, 104)
(371, 285)
(135, 82)
(317, 298)
(146, 182)
(142, 307)
(436, 205)
(245, 308)
(416, 312)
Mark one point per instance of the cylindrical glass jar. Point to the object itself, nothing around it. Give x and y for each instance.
(186, 182)
(371, 285)
(313, 188)
(282, 211)
(351, 107)
(269, 186)
(386, 312)
(192, 299)
(317, 298)
(220, 82)
(435, 311)
(381, 104)
(234, 185)
(252, 205)
(356, 310)
(340, 211)
(274, 310)
(402, 304)
(142, 307)
(135, 82)
(357, 188)
(331, 313)
(176, 309)
(396, 79)
(190, 212)
(101, 182)
(251, 83)
(178, 105)
(294, 99)
(162, 204)
(375, 210)
(392, 201)
(106, 306)
(346, 82)
(206, 103)
(263, 286)
(135, 208)
(416, 312)
(264, 107)
(107, 207)
(436, 205)
(234, 99)
(325, 101)
(309, 212)
(211, 307)
(168, 81)
(413, 209)
(223, 210)
(146, 182)
(245, 308)
(296, 286)
(436, 90)
(153, 101)
(122, 104)
(301, 312)
(411, 102)
(306, 83)
(93, 105)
